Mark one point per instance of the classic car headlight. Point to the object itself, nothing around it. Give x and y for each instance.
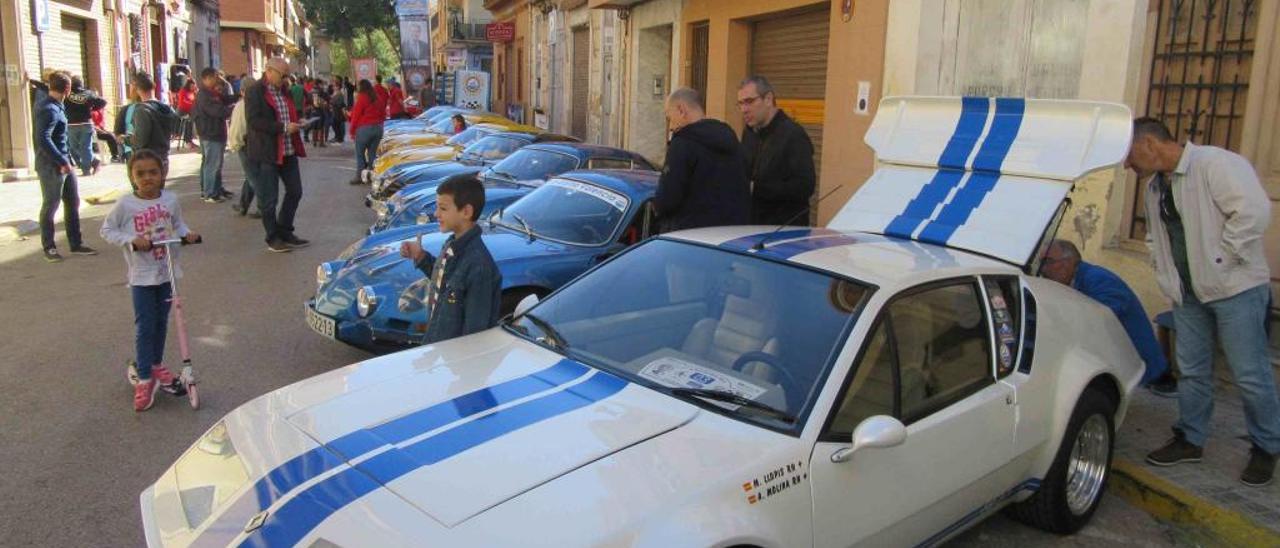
(324, 272)
(414, 297)
(366, 301)
(381, 208)
(201, 480)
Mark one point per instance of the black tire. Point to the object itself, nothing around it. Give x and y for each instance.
(1048, 508)
(512, 297)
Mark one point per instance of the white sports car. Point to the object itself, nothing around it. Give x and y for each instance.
(889, 380)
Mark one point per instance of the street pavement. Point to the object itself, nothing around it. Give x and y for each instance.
(76, 455)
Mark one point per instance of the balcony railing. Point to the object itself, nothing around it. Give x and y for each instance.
(467, 31)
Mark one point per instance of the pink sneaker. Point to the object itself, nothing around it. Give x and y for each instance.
(168, 381)
(144, 394)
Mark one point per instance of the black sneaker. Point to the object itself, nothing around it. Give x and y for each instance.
(295, 241)
(1177, 451)
(1261, 468)
(356, 181)
(1165, 387)
(52, 255)
(83, 250)
(238, 209)
(278, 246)
(228, 194)
(212, 199)
(253, 214)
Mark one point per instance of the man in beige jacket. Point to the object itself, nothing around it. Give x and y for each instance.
(1206, 215)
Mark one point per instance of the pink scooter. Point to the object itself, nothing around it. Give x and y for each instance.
(188, 375)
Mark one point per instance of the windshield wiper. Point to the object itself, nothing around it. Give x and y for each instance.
(730, 397)
(553, 337)
(524, 224)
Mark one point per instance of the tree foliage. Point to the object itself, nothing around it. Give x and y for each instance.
(346, 19)
(365, 44)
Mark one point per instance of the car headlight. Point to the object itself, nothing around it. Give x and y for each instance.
(381, 208)
(366, 301)
(324, 272)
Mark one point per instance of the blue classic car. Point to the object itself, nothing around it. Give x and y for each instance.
(483, 152)
(372, 298)
(526, 168)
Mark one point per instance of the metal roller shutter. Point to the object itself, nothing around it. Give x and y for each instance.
(791, 51)
(65, 48)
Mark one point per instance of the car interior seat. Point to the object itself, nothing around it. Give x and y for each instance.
(746, 323)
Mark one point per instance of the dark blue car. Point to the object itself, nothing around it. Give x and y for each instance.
(525, 169)
(372, 298)
(482, 153)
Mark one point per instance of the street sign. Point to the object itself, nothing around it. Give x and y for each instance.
(411, 7)
(40, 15)
(500, 32)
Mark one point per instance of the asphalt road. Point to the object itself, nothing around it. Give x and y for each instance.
(75, 455)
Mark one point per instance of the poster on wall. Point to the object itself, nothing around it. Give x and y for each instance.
(472, 90)
(415, 79)
(364, 68)
(411, 7)
(415, 42)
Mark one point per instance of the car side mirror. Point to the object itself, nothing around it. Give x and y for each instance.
(524, 305)
(879, 431)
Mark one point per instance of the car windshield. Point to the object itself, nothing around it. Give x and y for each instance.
(684, 318)
(441, 115)
(567, 211)
(468, 136)
(443, 127)
(533, 165)
(492, 147)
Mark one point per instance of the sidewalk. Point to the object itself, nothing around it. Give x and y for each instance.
(1205, 496)
(20, 200)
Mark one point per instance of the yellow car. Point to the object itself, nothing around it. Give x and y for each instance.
(438, 133)
(445, 151)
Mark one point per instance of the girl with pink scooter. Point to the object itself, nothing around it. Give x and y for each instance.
(146, 224)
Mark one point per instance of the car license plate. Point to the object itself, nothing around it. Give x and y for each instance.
(322, 324)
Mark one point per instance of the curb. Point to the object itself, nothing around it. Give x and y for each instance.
(1166, 501)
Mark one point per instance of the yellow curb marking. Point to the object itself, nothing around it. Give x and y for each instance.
(1165, 500)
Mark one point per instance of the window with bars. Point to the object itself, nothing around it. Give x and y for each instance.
(1199, 75)
(698, 74)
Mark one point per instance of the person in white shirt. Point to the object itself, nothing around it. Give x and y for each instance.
(149, 214)
(1206, 217)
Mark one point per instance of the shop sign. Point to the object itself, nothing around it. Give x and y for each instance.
(500, 32)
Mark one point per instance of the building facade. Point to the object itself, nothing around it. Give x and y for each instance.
(254, 30)
(458, 39)
(103, 41)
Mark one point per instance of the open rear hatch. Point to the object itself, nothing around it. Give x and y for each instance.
(986, 175)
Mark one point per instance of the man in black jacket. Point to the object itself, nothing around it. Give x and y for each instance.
(274, 144)
(212, 110)
(779, 157)
(704, 182)
(80, 104)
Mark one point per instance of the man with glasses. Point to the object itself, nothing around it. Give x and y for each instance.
(274, 144)
(1062, 264)
(1207, 213)
(779, 157)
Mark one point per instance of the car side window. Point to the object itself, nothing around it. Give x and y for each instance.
(943, 347)
(609, 163)
(1003, 300)
(641, 226)
(872, 391)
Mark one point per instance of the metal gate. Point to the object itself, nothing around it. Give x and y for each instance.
(1199, 79)
(581, 80)
(698, 70)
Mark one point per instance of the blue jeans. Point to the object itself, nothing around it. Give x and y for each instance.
(151, 323)
(367, 140)
(211, 168)
(55, 187)
(80, 145)
(1238, 322)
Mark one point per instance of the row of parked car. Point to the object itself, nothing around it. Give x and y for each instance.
(889, 380)
(554, 207)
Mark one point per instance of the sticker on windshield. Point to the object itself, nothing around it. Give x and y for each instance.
(678, 373)
(612, 198)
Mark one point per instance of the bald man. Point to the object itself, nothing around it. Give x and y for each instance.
(704, 182)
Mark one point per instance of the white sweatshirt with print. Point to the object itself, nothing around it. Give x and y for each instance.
(154, 220)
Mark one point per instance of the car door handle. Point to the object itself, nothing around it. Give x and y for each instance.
(842, 455)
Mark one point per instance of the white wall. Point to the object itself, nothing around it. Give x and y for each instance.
(646, 131)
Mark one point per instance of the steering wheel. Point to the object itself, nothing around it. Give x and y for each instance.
(770, 360)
